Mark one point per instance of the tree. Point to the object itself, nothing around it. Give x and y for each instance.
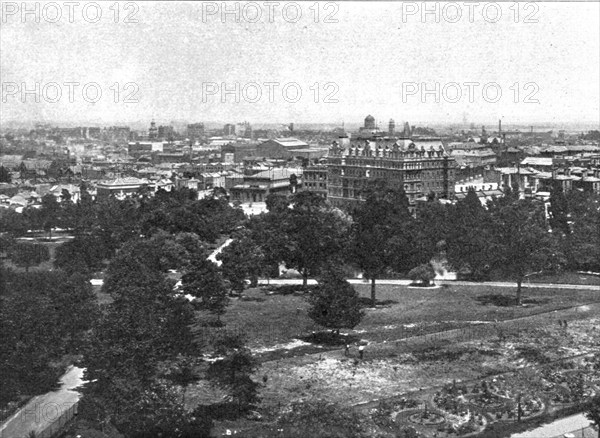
(521, 243)
(204, 282)
(83, 254)
(424, 274)
(42, 315)
(50, 213)
(469, 235)
(593, 412)
(582, 244)
(376, 221)
(26, 255)
(241, 259)
(559, 211)
(76, 308)
(4, 175)
(334, 303)
(309, 232)
(146, 327)
(233, 373)
(30, 338)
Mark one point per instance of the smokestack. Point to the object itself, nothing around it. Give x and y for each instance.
(499, 127)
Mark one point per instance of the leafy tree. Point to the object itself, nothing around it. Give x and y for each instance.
(50, 213)
(241, 259)
(26, 255)
(468, 240)
(276, 202)
(334, 303)
(266, 231)
(116, 222)
(315, 233)
(4, 175)
(593, 412)
(423, 273)
(144, 327)
(16, 224)
(41, 315)
(582, 244)
(204, 282)
(83, 254)
(559, 211)
(29, 342)
(521, 243)
(233, 373)
(432, 226)
(76, 308)
(376, 222)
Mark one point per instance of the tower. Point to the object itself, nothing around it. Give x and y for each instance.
(392, 127)
(153, 132)
(407, 131)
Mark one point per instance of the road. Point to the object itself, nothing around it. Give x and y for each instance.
(574, 425)
(450, 282)
(46, 413)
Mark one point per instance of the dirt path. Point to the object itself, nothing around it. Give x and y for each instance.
(451, 282)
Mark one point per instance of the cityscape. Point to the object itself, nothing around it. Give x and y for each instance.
(300, 220)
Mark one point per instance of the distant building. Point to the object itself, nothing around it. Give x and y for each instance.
(195, 131)
(420, 167)
(369, 129)
(144, 147)
(122, 187)
(314, 179)
(280, 147)
(257, 187)
(237, 152)
(166, 132)
(229, 129)
(153, 131)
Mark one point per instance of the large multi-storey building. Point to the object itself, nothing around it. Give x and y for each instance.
(419, 166)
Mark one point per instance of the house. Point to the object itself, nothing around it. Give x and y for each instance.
(257, 187)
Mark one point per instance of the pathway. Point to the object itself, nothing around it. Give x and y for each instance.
(450, 282)
(573, 424)
(46, 414)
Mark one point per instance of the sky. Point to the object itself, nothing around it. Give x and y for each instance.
(324, 62)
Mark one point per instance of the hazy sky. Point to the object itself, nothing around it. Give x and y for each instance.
(179, 59)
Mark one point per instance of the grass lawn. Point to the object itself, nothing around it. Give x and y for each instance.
(268, 320)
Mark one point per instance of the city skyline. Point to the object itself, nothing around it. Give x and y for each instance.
(179, 61)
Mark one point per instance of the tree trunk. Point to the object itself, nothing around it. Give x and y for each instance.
(373, 298)
(519, 283)
(304, 279)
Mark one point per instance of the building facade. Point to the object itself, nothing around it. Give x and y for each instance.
(314, 179)
(420, 167)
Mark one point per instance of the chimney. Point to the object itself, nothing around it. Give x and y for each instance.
(499, 127)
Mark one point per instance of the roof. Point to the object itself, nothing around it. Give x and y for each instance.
(124, 182)
(290, 142)
(276, 174)
(537, 161)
